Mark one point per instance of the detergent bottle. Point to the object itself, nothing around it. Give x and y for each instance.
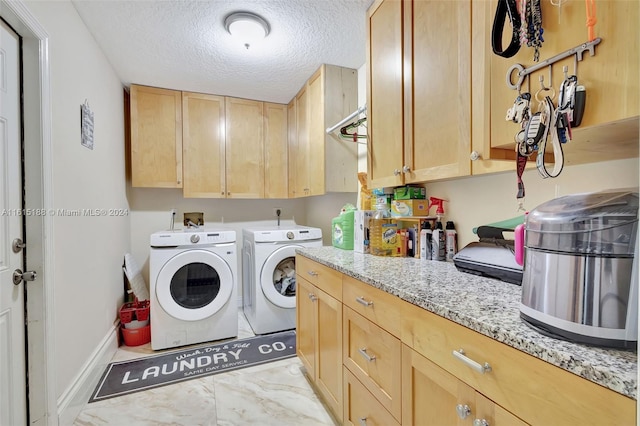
(438, 239)
(342, 228)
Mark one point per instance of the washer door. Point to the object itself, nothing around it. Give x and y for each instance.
(194, 285)
(278, 277)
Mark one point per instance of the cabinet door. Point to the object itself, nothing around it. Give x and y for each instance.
(302, 147)
(438, 89)
(244, 149)
(275, 151)
(316, 152)
(493, 414)
(203, 145)
(610, 78)
(306, 312)
(329, 351)
(360, 407)
(385, 93)
(156, 137)
(429, 393)
(292, 143)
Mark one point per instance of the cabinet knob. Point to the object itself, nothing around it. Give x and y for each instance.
(364, 302)
(396, 172)
(222, 193)
(480, 422)
(312, 273)
(365, 355)
(228, 193)
(313, 297)
(475, 155)
(362, 421)
(463, 411)
(406, 169)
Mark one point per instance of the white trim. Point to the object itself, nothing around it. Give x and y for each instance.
(77, 395)
(42, 379)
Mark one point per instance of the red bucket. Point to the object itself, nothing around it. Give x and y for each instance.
(136, 336)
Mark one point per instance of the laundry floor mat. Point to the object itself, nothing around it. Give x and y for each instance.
(121, 378)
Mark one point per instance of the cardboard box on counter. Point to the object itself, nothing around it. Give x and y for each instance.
(361, 230)
(403, 208)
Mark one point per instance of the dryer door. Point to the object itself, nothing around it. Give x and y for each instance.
(278, 277)
(194, 285)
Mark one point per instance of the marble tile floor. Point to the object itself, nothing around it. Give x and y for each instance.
(275, 393)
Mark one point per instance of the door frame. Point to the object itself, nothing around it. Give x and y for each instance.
(36, 87)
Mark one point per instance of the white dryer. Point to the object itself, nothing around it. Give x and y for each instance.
(193, 280)
(268, 274)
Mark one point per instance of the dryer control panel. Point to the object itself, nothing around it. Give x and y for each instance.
(191, 238)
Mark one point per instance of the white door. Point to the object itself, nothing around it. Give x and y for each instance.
(12, 323)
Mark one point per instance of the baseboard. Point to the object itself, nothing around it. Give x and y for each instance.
(75, 397)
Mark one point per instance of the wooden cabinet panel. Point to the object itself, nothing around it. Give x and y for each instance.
(316, 158)
(306, 313)
(436, 397)
(376, 305)
(510, 382)
(327, 279)
(292, 146)
(203, 145)
(276, 159)
(329, 351)
(437, 144)
(302, 152)
(244, 148)
(385, 93)
(156, 137)
(360, 407)
(373, 356)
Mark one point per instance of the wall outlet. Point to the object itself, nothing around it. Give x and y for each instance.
(277, 210)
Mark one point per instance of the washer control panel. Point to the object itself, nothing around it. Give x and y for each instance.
(191, 238)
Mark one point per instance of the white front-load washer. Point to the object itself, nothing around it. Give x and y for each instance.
(193, 278)
(268, 274)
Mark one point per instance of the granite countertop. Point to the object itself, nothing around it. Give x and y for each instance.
(488, 306)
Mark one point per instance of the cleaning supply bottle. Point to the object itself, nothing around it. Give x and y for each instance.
(451, 240)
(426, 235)
(438, 242)
(376, 231)
(439, 203)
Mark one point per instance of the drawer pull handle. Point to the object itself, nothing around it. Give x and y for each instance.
(363, 301)
(471, 363)
(363, 421)
(480, 422)
(363, 352)
(313, 297)
(463, 411)
(312, 273)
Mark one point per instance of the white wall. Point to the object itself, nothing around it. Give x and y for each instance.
(150, 213)
(88, 250)
(480, 200)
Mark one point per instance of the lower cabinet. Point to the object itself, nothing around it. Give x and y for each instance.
(319, 341)
(376, 359)
(434, 397)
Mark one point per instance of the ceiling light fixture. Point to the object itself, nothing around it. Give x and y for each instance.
(247, 27)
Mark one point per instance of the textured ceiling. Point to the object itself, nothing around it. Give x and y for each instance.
(183, 44)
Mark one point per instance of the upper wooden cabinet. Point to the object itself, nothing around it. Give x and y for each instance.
(203, 145)
(437, 93)
(419, 91)
(276, 159)
(323, 162)
(221, 147)
(244, 148)
(156, 137)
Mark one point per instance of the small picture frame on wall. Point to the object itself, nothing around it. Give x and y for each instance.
(86, 125)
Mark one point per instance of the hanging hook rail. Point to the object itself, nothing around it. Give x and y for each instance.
(523, 72)
(347, 119)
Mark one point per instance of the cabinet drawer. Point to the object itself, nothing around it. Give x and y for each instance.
(532, 389)
(327, 279)
(373, 356)
(360, 407)
(376, 305)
